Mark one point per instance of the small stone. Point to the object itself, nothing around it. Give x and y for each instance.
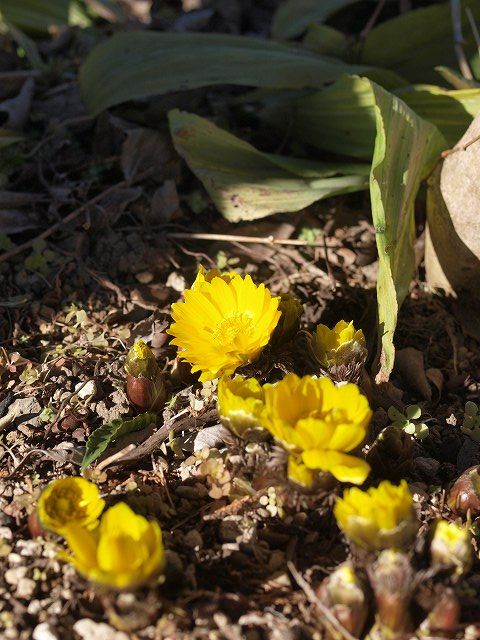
(86, 629)
(87, 391)
(13, 576)
(44, 631)
(25, 588)
(144, 277)
(193, 539)
(176, 282)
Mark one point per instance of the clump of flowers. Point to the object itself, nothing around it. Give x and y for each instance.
(69, 501)
(340, 352)
(451, 546)
(145, 382)
(380, 518)
(240, 405)
(224, 322)
(407, 421)
(123, 552)
(318, 424)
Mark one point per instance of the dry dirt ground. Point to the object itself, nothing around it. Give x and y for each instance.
(70, 306)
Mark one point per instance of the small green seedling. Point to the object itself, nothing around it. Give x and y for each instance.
(406, 423)
(471, 421)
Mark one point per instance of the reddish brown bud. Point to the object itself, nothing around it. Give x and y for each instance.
(145, 382)
(34, 526)
(464, 496)
(444, 618)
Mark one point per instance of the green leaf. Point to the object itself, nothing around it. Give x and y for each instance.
(138, 64)
(456, 79)
(102, 437)
(293, 16)
(325, 40)
(415, 42)
(246, 184)
(450, 111)
(35, 16)
(406, 149)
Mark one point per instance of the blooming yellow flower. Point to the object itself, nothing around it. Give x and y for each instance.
(451, 546)
(342, 345)
(379, 518)
(240, 405)
(224, 323)
(68, 501)
(125, 551)
(317, 423)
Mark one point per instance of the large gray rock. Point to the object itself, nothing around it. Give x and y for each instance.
(453, 240)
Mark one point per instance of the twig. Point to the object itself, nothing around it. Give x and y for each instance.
(116, 456)
(473, 26)
(313, 599)
(458, 40)
(372, 20)
(271, 240)
(462, 147)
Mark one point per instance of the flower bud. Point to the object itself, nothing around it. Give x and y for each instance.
(145, 382)
(240, 405)
(390, 456)
(344, 593)
(464, 496)
(444, 618)
(451, 546)
(289, 323)
(339, 352)
(391, 577)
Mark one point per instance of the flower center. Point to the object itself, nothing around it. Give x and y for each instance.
(65, 505)
(233, 330)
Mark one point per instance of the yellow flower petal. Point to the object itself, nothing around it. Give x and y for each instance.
(342, 466)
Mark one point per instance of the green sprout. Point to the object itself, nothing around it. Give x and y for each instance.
(406, 423)
(471, 421)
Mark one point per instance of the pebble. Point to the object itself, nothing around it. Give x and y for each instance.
(13, 576)
(86, 629)
(25, 588)
(44, 631)
(90, 389)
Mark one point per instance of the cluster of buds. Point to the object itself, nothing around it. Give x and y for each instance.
(145, 382)
(339, 353)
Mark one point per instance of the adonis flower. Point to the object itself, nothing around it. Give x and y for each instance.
(124, 551)
(340, 351)
(224, 322)
(68, 501)
(380, 518)
(451, 546)
(240, 405)
(318, 424)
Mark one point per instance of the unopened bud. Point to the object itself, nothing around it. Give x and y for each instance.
(444, 619)
(289, 323)
(464, 496)
(451, 546)
(391, 577)
(345, 595)
(145, 382)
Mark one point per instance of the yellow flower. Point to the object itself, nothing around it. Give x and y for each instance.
(342, 345)
(240, 405)
(224, 323)
(125, 551)
(380, 518)
(318, 423)
(451, 546)
(69, 501)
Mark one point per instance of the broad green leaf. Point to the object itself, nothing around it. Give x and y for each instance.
(35, 15)
(102, 437)
(451, 111)
(414, 43)
(293, 16)
(406, 148)
(341, 118)
(325, 40)
(138, 64)
(246, 184)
